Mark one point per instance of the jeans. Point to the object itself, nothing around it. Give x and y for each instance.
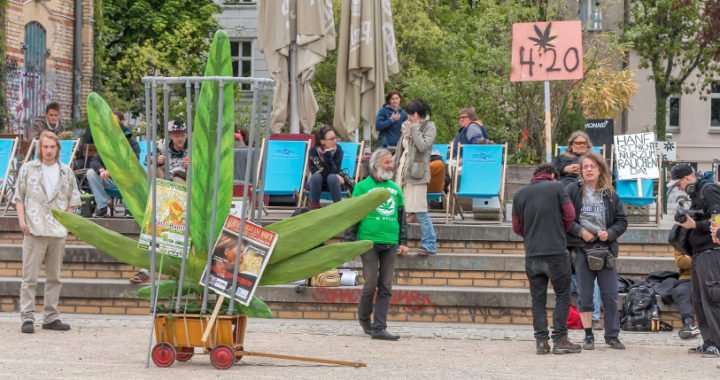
(428, 238)
(316, 185)
(539, 270)
(596, 297)
(607, 280)
(378, 272)
(98, 186)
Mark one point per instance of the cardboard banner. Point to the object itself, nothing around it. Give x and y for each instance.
(636, 156)
(546, 51)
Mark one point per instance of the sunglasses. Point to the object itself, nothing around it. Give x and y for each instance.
(580, 143)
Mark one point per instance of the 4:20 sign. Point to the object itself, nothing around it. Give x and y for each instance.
(547, 51)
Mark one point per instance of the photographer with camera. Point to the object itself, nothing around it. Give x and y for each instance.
(705, 268)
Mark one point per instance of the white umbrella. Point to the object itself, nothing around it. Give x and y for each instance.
(294, 36)
(366, 59)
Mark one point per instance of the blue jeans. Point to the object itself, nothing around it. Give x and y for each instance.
(428, 238)
(98, 186)
(331, 183)
(596, 297)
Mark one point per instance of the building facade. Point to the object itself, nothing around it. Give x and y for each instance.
(48, 59)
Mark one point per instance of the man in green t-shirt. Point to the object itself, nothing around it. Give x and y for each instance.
(385, 226)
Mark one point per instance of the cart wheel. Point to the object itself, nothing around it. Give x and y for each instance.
(184, 353)
(222, 356)
(163, 354)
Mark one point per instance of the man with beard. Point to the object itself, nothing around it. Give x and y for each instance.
(385, 226)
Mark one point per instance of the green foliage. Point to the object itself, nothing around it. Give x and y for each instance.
(150, 37)
(667, 36)
(204, 147)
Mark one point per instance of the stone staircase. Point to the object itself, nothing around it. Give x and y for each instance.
(477, 276)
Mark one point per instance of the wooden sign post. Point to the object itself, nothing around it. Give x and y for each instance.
(545, 51)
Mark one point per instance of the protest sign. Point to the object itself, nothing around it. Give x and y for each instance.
(636, 156)
(546, 51)
(170, 217)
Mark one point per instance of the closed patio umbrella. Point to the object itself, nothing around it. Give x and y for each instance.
(294, 36)
(366, 59)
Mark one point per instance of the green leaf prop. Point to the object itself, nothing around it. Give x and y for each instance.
(204, 143)
(117, 156)
(168, 288)
(313, 262)
(116, 245)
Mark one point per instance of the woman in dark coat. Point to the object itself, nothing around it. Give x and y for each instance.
(325, 161)
(566, 162)
(599, 221)
(389, 120)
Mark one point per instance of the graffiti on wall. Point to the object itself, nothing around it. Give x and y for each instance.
(412, 299)
(27, 94)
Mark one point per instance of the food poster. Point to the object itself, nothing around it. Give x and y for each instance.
(255, 250)
(171, 216)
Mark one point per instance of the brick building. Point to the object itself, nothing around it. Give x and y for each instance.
(48, 59)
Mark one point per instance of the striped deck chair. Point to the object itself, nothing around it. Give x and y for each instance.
(7, 154)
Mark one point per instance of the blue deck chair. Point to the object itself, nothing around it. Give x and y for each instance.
(285, 167)
(443, 149)
(7, 154)
(629, 194)
(483, 175)
(67, 151)
(350, 165)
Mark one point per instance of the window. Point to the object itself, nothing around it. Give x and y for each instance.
(673, 114)
(231, 2)
(590, 15)
(242, 55)
(715, 105)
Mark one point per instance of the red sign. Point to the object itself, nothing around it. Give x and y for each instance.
(546, 51)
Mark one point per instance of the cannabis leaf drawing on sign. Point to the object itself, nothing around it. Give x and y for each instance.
(543, 38)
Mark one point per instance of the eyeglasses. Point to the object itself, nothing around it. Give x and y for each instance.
(331, 139)
(580, 143)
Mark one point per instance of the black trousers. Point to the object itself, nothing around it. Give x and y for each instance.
(681, 295)
(378, 272)
(556, 269)
(705, 284)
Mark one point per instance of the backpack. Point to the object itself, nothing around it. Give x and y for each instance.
(638, 308)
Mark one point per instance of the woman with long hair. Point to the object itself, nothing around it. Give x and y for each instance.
(325, 162)
(567, 162)
(412, 168)
(599, 221)
(389, 119)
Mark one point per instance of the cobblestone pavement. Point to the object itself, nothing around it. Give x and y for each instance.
(115, 347)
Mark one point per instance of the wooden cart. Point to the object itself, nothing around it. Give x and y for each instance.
(177, 336)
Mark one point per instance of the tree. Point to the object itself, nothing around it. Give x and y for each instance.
(668, 37)
(150, 37)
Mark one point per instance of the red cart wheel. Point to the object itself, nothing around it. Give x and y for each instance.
(222, 356)
(184, 353)
(163, 354)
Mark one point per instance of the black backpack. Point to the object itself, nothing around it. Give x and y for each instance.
(638, 309)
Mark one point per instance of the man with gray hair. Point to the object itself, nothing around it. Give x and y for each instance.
(385, 226)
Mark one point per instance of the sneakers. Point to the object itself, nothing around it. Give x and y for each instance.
(127, 214)
(597, 326)
(564, 346)
(589, 343)
(688, 331)
(28, 327)
(141, 277)
(383, 335)
(615, 343)
(542, 346)
(698, 350)
(101, 212)
(56, 325)
(422, 251)
(711, 352)
(366, 327)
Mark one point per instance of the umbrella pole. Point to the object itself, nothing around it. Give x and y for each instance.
(294, 116)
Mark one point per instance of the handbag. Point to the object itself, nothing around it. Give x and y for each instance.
(678, 239)
(349, 182)
(596, 255)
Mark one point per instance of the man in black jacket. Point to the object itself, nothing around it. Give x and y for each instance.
(542, 215)
(705, 267)
(99, 178)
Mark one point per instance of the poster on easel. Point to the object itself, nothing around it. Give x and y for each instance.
(636, 156)
(170, 218)
(255, 250)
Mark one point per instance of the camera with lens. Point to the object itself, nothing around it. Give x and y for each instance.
(681, 213)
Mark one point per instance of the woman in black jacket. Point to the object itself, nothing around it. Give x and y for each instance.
(599, 221)
(567, 162)
(325, 161)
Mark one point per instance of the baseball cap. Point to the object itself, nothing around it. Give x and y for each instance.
(678, 172)
(177, 126)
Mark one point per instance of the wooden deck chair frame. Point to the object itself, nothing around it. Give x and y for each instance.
(3, 196)
(16, 170)
(450, 213)
(261, 184)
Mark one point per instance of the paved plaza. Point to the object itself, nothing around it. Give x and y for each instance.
(115, 347)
